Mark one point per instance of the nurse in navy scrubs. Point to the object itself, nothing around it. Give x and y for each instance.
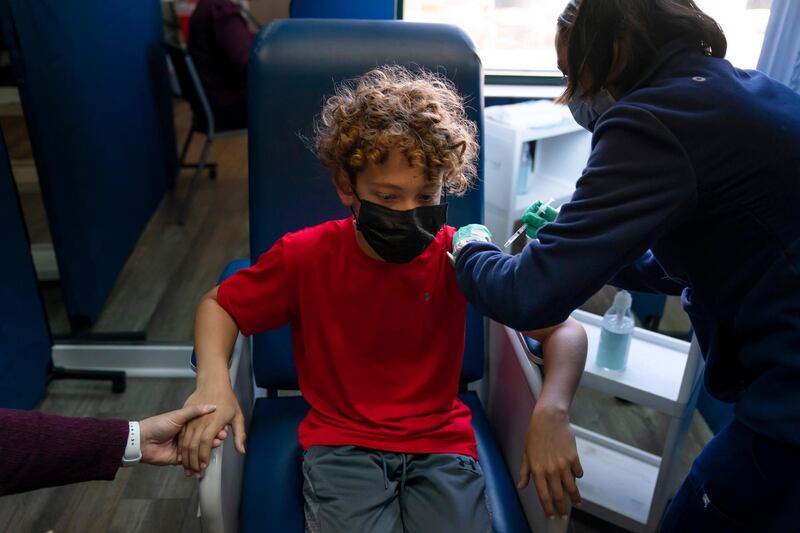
(692, 188)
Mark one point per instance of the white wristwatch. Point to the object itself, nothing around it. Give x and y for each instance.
(133, 446)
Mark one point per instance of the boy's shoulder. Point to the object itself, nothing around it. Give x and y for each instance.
(447, 235)
(324, 234)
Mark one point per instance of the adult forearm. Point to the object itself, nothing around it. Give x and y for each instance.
(528, 291)
(40, 450)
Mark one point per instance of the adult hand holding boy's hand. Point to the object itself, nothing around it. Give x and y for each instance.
(550, 457)
(197, 437)
(159, 434)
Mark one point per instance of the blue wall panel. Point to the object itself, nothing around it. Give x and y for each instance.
(24, 337)
(92, 80)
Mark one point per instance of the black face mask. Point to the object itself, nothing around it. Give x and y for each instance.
(400, 236)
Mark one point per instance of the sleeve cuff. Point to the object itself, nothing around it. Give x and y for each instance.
(230, 308)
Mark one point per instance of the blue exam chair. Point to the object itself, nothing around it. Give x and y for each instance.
(293, 65)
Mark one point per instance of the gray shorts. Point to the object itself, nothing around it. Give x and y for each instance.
(353, 489)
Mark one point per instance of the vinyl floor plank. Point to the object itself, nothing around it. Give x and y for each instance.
(163, 516)
(223, 238)
(129, 516)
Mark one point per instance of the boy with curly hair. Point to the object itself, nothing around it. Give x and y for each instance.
(377, 317)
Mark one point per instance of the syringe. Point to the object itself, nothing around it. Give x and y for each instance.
(542, 209)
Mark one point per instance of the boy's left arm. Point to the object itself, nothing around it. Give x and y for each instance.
(550, 456)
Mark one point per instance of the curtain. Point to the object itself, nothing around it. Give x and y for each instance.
(780, 55)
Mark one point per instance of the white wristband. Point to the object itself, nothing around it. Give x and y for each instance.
(133, 446)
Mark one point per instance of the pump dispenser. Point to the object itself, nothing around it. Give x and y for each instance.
(615, 337)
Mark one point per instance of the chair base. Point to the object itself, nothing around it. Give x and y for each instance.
(201, 164)
(198, 169)
(212, 169)
(118, 379)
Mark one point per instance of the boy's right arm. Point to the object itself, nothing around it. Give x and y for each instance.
(214, 338)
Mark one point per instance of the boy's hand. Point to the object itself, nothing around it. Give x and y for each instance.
(159, 434)
(197, 437)
(551, 459)
(538, 216)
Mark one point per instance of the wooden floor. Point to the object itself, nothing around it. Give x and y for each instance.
(157, 293)
(172, 266)
(141, 499)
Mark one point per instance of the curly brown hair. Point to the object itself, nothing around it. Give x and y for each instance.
(392, 108)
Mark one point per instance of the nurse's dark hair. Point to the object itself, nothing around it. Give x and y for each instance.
(590, 29)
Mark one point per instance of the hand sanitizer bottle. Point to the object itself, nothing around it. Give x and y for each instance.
(615, 337)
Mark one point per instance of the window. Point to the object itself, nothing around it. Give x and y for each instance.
(744, 23)
(512, 36)
(516, 36)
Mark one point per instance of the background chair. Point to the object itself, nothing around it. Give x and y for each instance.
(202, 119)
(294, 64)
(342, 9)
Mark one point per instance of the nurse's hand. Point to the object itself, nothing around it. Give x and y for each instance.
(467, 234)
(551, 459)
(538, 216)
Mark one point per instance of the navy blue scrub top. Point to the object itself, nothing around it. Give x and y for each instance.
(692, 188)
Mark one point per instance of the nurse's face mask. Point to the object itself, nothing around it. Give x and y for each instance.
(399, 236)
(586, 110)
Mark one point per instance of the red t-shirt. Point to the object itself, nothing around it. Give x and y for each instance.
(378, 346)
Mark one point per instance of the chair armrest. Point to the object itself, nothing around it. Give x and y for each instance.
(533, 349)
(515, 382)
(233, 267)
(221, 485)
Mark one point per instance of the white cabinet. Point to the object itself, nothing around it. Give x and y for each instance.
(533, 151)
(627, 486)
(621, 484)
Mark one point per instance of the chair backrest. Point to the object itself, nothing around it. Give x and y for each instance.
(190, 85)
(343, 9)
(294, 64)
